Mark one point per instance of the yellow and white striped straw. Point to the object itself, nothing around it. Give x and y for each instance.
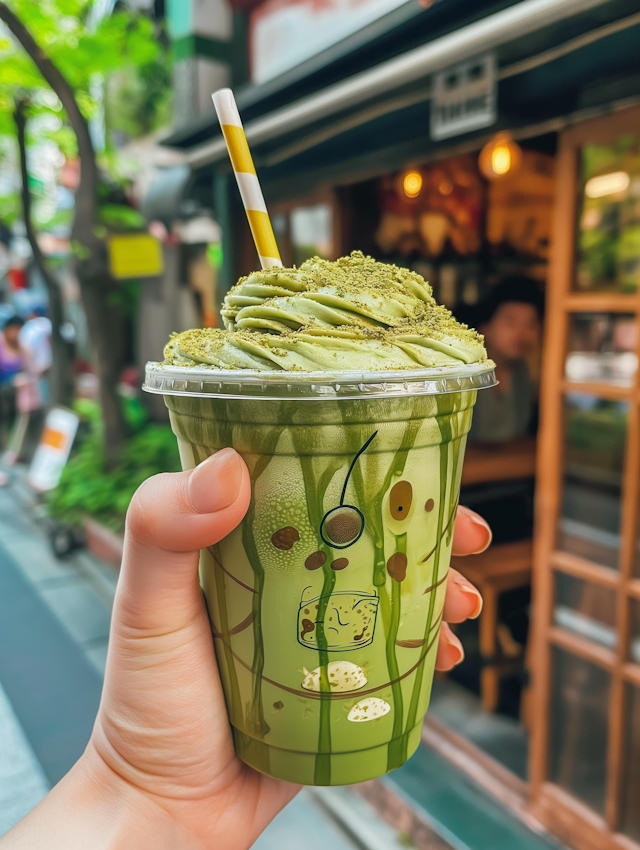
(244, 169)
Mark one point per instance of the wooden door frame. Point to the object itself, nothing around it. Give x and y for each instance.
(563, 814)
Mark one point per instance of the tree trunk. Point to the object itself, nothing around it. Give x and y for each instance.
(61, 380)
(107, 327)
(99, 290)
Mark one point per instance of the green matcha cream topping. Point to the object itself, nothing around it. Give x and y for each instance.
(354, 313)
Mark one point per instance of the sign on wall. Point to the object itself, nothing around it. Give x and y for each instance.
(285, 33)
(464, 97)
(135, 255)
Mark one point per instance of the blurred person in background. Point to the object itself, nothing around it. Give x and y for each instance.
(31, 387)
(11, 365)
(511, 320)
(35, 340)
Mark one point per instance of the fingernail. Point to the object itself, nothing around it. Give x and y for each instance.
(215, 483)
(476, 519)
(454, 643)
(470, 590)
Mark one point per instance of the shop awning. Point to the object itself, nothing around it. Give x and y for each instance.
(363, 96)
(558, 61)
(165, 195)
(175, 193)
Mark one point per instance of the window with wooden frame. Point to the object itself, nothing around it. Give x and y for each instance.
(585, 745)
(308, 226)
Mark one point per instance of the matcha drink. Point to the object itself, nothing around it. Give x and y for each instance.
(348, 392)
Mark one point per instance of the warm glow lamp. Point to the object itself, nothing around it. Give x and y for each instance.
(412, 184)
(500, 157)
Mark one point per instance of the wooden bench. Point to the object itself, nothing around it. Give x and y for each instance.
(505, 566)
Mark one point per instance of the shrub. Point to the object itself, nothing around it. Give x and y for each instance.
(86, 487)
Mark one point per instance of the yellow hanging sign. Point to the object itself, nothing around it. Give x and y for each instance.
(135, 255)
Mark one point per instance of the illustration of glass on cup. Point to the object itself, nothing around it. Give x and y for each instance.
(349, 393)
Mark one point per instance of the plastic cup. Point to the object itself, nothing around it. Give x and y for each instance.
(326, 602)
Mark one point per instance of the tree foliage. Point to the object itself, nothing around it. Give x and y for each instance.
(141, 103)
(117, 62)
(79, 50)
(55, 64)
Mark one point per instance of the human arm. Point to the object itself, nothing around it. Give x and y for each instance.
(160, 770)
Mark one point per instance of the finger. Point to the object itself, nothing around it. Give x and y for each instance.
(462, 601)
(170, 518)
(450, 651)
(472, 533)
(186, 511)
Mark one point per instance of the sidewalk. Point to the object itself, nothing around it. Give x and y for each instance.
(22, 780)
(53, 631)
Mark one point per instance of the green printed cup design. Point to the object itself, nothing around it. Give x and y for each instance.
(350, 620)
(326, 602)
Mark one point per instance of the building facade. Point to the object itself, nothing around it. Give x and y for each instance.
(381, 128)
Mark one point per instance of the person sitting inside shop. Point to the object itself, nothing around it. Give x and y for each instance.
(511, 320)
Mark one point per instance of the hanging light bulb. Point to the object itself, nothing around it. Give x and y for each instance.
(500, 157)
(412, 184)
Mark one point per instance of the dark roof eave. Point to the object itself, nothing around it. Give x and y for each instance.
(384, 29)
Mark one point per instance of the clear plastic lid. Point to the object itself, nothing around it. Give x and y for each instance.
(211, 382)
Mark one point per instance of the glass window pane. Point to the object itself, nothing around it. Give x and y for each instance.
(602, 348)
(595, 433)
(631, 782)
(609, 216)
(586, 609)
(311, 232)
(579, 728)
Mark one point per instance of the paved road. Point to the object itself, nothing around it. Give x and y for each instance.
(22, 780)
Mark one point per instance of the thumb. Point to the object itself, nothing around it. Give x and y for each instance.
(187, 511)
(171, 517)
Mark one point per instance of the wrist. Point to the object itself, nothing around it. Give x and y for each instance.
(92, 806)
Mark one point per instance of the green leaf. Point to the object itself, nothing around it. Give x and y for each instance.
(123, 50)
(121, 217)
(79, 250)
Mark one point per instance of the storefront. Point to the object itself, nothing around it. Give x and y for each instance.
(585, 753)
(351, 156)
